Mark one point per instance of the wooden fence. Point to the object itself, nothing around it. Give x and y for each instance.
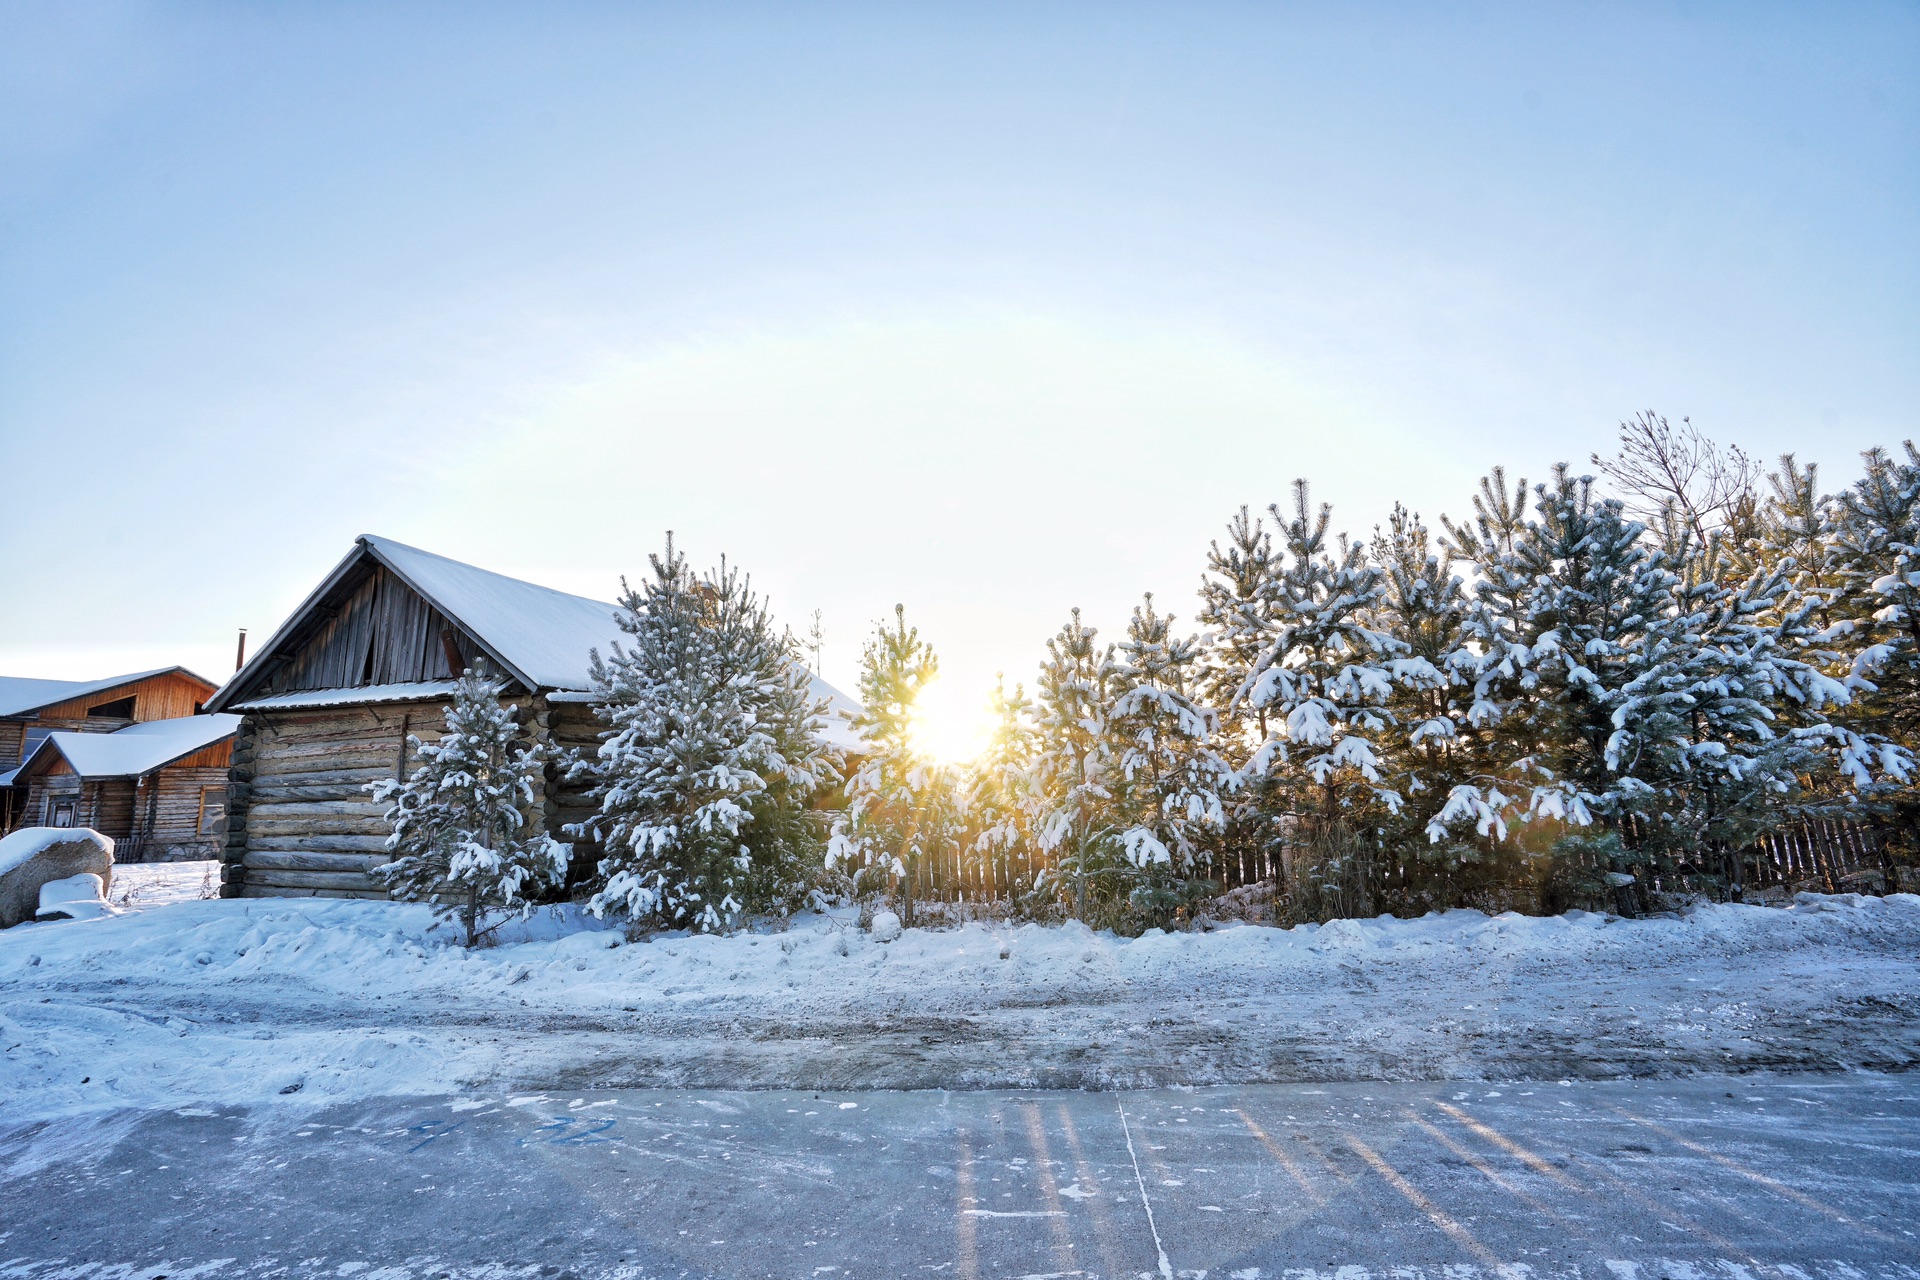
(1818, 855)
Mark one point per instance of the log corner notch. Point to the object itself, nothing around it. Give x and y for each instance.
(233, 871)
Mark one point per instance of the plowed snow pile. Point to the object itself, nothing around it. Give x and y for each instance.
(320, 1001)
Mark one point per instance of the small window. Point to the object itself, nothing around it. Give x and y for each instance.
(64, 812)
(119, 709)
(213, 810)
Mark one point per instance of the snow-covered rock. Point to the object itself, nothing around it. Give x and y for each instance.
(80, 897)
(33, 856)
(885, 926)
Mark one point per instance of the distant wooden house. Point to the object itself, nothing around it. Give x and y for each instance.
(370, 657)
(31, 710)
(158, 788)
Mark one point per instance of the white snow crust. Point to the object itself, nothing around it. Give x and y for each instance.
(28, 841)
(321, 1000)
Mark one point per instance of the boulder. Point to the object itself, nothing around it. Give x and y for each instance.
(34, 856)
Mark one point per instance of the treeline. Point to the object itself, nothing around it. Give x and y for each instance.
(1588, 687)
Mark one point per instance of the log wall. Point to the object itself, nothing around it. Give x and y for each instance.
(299, 820)
(106, 806)
(574, 729)
(178, 814)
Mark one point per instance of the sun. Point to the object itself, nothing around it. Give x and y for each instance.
(951, 724)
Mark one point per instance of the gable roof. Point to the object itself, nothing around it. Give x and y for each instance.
(542, 635)
(134, 750)
(539, 636)
(21, 696)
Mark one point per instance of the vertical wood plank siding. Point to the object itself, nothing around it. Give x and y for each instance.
(162, 697)
(381, 633)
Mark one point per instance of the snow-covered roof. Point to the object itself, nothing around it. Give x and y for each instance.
(8, 775)
(20, 695)
(542, 633)
(350, 697)
(839, 707)
(541, 636)
(136, 749)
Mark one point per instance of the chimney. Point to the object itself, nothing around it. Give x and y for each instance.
(240, 652)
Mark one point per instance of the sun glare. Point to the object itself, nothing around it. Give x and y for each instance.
(951, 724)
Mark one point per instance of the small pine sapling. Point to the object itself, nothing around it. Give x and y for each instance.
(900, 808)
(466, 824)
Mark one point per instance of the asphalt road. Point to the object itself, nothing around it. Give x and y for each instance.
(1796, 1178)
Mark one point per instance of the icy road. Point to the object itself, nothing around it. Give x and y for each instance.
(1738, 1179)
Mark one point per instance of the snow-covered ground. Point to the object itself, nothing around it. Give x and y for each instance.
(156, 884)
(315, 1001)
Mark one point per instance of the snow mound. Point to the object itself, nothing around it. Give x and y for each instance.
(80, 897)
(885, 927)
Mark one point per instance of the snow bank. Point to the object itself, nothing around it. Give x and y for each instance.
(316, 1000)
(30, 841)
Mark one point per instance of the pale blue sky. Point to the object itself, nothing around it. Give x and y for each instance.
(993, 310)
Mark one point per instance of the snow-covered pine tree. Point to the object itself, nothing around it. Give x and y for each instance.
(1239, 591)
(1167, 778)
(1073, 819)
(1564, 606)
(1431, 742)
(1697, 728)
(1000, 791)
(900, 808)
(1324, 679)
(711, 754)
(467, 830)
(1875, 626)
(1795, 531)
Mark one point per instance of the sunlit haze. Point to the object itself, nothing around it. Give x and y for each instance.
(992, 312)
(951, 723)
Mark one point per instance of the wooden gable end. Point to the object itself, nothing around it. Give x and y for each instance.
(167, 696)
(376, 630)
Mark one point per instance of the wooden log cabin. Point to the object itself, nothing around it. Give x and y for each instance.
(32, 709)
(158, 789)
(370, 657)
